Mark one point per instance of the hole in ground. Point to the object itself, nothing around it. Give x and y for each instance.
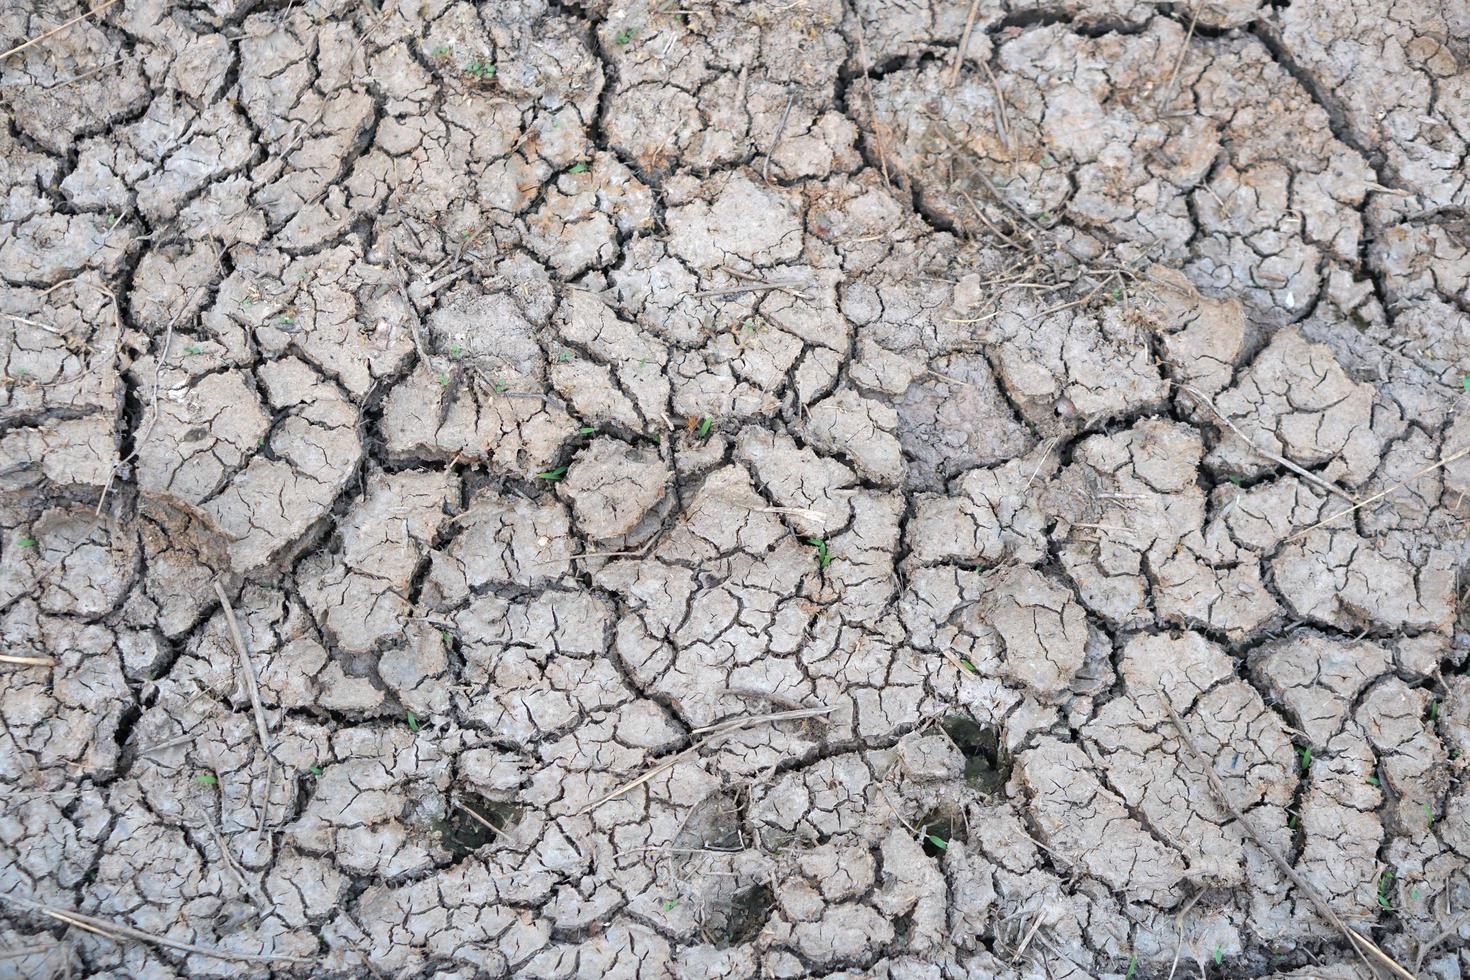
(940, 828)
(473, 822)
(987, 765)
(749, 911)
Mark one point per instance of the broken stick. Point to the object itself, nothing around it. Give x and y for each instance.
(1360, 943)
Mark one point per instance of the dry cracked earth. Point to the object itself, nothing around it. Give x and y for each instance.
(723, 490)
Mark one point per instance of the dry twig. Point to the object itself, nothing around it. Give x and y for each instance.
(1445, 461)
(247, 669)
(10, 658)
(1276, 458)
(1168, 92)
(117, 932)
(713, 734)
(776, 140)
(138, 443)
(58, 28)
(252, 688)
(959, 52)
(1360, 943)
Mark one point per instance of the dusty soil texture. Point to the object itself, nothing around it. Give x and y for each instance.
(726, 490)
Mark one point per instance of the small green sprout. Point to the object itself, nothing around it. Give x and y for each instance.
(1234, 479)
(705, 426)
(439, 52)
(748, 326)
(1372, 780)
(112, 221)
(1414, 894)
(207, 779)
(624, 36)
(1433, 710)
(824, 557)
(316, 770)
(553, 475)
(587, 430)
(193, 349)
(413, 722)
(444, 635)
(1044, 216)
(1046, 160)
(671, 904)
(1116, 293)
(563, 357)
(456, 352)
(499, 386)
(938, 841)
(1306, 757)
(1465, 382)
(1291, 821)
(1428, 815)
(26, 543)
(289, 321)
(579, 167)
(443, 380)
(22, 372)
(1219, 955)
(643, 362)
(1132, 967)
(483, 70)
(1385, 883)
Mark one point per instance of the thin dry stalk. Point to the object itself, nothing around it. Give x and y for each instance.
(23, 951)
(1021, 949)
(1168, 92)
(1002, 118)
(84, 75)
(9, 658)
(251, 890)
(117, 932)
(1360, 943)
(959, 52)
(753, 287)
(412, 311)
(252, 688)
(991, 226)
(58, 29)
(805, 513)
(713, 734)
(168, 336)
(1449, 933)
(1276, 458)
(170, 744)
(247, 669)
(480, 817)
(1447, 460)
(639, 553)
(776, 140)
(872, 102)
(31, 323)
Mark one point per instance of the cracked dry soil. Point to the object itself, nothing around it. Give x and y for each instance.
(720, 490)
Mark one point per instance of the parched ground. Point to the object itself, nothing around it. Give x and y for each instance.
(723, 490)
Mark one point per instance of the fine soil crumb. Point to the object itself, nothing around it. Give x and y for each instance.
(733, 490)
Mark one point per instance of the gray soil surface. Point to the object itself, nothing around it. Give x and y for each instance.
(725, 490)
